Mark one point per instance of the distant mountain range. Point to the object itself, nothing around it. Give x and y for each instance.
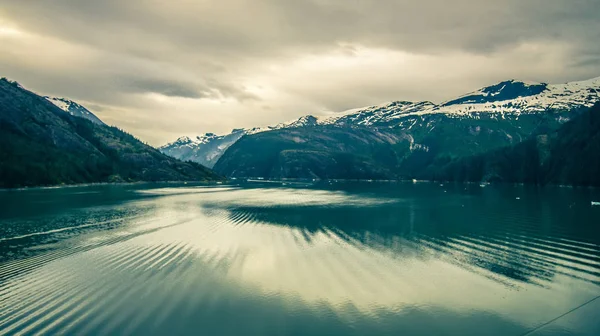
(512, 107)
(474, 150)
(512, 132)
(205, 149)
(40, 144)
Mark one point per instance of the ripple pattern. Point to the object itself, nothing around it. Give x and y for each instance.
(226, 261)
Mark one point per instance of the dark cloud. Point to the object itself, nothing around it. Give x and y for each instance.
(112, 52)
(210, 89)
(269, 26)
(167, 88)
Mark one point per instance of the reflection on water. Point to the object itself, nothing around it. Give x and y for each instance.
(382, 259)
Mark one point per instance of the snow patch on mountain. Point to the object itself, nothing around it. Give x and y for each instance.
(74, 109)
(376, 114)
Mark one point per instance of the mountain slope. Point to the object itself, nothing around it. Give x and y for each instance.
(314, 152)
(75, 109)
(422, 142)
(569, 156)
(42, 145)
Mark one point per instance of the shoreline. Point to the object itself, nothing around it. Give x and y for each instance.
(404, 181)
(283, 181)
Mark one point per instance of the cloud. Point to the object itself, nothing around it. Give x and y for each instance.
(167, 88)
(264, 27)
(172, 88)
(163, 70)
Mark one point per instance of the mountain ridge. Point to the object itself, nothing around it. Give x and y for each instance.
(506, 99)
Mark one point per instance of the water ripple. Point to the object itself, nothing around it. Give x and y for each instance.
(294, 256)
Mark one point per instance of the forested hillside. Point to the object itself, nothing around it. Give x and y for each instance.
(419, 144)
(569, 156)
(42, 145)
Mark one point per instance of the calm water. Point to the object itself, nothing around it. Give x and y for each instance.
(330, 259)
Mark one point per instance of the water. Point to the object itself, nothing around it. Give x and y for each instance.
(325, 259)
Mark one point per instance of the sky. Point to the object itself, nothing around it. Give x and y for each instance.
(163, 69)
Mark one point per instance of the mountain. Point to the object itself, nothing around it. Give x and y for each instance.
(505, 98)
(419, 136)
(498, 106)
(40, 144)
(314, 152)
(207, 149)
(567, 156)
(75, 109)
(380, 152)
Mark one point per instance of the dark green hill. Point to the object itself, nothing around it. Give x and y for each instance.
(405, 151)
(313, 152)
(42, 145)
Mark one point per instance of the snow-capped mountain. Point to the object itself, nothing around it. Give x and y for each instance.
(509, 97)
(505, 100)
(74, 109)
(206, 149)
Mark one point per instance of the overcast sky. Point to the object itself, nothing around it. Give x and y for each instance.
(161, 69)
